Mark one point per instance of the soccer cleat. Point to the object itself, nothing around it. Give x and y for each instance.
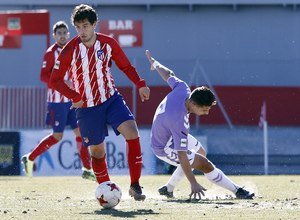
(135, 191)
(88, 174)
(164, 192)
(28, 165)
(243, 194)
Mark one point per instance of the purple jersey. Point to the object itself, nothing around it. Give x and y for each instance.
(171, 120)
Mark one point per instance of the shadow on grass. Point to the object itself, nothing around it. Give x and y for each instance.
(201, 201)
(129, 214)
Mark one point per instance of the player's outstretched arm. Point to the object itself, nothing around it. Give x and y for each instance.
(163, 71)
(196, 188)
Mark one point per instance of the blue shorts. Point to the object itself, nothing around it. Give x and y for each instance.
(59, 115)
(93, 121)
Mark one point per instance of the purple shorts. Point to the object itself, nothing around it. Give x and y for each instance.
(93, 121)
(59, 115)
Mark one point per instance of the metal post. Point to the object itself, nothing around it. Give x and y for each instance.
(266, 154)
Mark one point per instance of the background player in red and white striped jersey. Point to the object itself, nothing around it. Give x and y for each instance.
(59, 113)
(88, 57)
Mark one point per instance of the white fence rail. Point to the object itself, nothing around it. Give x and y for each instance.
(22, 108)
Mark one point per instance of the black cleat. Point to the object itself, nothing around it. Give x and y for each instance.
(243, 194)
(164, 192)
(135, 191)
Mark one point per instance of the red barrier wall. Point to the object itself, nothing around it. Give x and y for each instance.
(26, 107)
(242, 104)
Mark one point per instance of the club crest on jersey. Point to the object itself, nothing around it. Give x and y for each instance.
(57, 64)
(100, 54)
(183, 142)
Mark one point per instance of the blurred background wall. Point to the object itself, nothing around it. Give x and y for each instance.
(249, 52)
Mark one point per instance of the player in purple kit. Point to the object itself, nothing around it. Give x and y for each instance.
(59, 114)
(172, 143)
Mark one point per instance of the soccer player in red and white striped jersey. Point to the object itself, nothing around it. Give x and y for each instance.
(59, 113)
(88, 57)
(50, 57)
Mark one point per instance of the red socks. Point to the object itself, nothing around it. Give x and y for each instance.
(134, 158)
(42, 147)
(83, 153)
(100, 169)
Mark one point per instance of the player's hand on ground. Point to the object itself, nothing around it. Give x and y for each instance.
(151, 60)
(77, 104)
(197, 190)
(144, 93)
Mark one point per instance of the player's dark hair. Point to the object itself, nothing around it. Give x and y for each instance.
(82, 12)
(203, 96)
(60, 24)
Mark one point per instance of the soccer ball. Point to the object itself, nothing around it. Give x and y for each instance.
(108, 194)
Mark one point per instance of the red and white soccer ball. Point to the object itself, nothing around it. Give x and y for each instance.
(108, 194)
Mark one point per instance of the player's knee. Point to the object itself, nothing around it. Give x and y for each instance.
(97, 154)
(210, 166)
(203, 164)
(58, 136)
(97, 151)
(129, 130)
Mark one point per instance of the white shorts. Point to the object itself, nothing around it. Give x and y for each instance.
(172, 156)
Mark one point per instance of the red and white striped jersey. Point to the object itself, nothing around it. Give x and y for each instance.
(47, 66)
(90, 70)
